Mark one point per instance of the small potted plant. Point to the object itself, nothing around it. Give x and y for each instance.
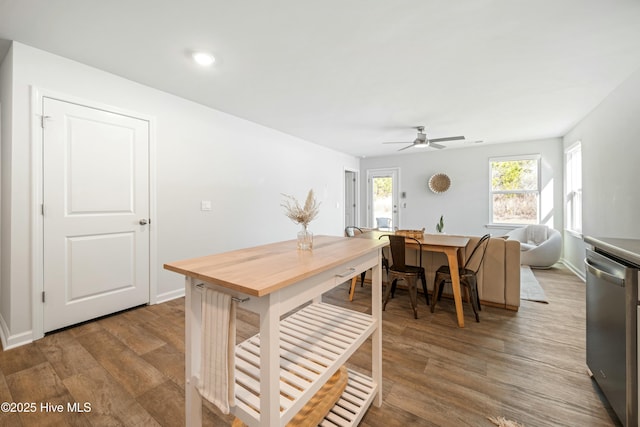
(440, 224)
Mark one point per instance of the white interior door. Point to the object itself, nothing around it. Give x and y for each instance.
(96, 213)
(350, 198)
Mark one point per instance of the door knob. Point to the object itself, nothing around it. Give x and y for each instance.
(143, 222)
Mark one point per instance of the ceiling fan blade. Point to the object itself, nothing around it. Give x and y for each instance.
(422, 141)
(449, 138)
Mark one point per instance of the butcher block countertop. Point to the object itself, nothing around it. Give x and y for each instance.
(260, 270)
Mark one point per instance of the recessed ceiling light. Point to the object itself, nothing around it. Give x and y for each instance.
(203, 58)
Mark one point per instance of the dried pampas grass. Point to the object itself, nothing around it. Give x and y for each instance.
(301, 215)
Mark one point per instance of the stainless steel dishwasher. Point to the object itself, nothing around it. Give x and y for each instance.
(612, 307)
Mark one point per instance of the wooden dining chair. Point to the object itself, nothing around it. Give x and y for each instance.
(399, 270)
(468, 276)
(353, 231)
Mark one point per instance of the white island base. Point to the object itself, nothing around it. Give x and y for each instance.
(282, 367)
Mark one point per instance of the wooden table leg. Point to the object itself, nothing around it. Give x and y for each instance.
(354, 280)
(452, 258)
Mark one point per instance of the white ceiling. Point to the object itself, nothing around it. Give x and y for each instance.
(351, 74)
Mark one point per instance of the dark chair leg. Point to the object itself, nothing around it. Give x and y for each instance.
(387, 291)
(473, 299)
(436, 295)
(424, 286)
(475, 311)
(364, 273)
(441, 288)
(385, 265)
(413, 294)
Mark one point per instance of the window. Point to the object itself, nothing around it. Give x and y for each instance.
(515, 190)
(573, 188)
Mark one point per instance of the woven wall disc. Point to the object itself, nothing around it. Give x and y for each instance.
(439, 183)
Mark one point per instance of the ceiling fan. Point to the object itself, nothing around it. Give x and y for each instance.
(422, 140)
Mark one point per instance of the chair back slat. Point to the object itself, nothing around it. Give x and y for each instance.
(398, 251)
(477, 255)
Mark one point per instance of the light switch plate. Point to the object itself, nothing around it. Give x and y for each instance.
(205, 205)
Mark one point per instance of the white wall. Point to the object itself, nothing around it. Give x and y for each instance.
(6, 73)
(201, 154)
(610, 168)
(465, 205)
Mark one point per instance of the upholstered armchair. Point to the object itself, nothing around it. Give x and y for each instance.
(540, 246)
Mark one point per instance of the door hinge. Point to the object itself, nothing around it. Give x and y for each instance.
(42, 209)
(42, 296)
(42, 119)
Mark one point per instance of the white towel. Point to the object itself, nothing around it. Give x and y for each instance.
(218, 340)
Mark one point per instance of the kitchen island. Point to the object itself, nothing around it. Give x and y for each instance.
(273, 280)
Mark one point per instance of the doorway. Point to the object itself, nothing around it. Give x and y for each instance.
(96, 223)
(382, 199)
(350, 198)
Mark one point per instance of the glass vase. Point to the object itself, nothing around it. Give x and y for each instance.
(305, 239)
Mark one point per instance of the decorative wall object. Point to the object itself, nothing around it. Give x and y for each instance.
(302, 215)
(439, 183)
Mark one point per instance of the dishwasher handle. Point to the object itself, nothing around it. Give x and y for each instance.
(600, 274)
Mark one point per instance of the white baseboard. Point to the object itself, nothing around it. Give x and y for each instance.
(12, 341)
(574, 269)
(168, 296)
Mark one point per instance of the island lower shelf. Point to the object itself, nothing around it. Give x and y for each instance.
(314, 342)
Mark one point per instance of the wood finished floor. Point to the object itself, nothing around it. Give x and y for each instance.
(527, 366)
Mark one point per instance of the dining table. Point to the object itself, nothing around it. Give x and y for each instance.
(448, 244)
